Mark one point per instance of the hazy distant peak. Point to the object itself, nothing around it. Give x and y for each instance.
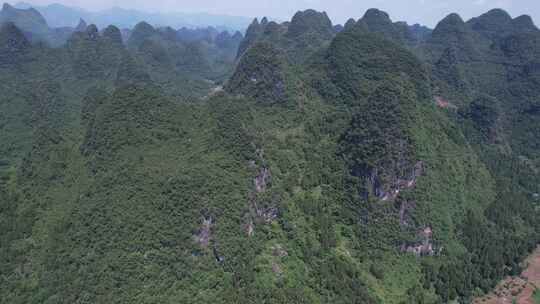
(113, 33)
(524, 22)
(28, 20)
(12, 39)
(452, 23)
(237, 35)
(143, 26)
(497, 13)
(452, 18)
(494, 20)
(81, 27)
(498, 23)
(310, 20)
(7, 6)
(255, 22)
(376, 15)
(92, 32)
(349, 24)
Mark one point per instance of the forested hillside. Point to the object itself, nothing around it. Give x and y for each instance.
(374, 162)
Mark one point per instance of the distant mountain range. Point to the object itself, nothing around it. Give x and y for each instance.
(58, 15)
(36, 29)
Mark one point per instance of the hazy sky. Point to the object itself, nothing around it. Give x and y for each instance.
(413, 11)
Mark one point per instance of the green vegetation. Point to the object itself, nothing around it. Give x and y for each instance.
(536, 296)
(126, 176)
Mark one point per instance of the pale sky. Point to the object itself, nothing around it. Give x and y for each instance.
(427, 12)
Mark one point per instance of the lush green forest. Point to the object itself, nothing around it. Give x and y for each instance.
(374, 162)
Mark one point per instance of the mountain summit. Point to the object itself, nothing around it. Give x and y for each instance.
(28, 20)
(372, 163)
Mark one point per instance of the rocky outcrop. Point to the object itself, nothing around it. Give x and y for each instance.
(262, 180)
(388, 192)
(260, 211)
(425, 246)
(204, 235)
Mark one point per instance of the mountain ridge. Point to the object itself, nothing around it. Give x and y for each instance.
(304, 163)
(62, 16)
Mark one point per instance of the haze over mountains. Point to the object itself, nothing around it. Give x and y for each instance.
(302, 162)
(58, 15)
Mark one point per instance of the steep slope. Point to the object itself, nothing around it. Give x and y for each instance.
(330, 177)
(28, 20)
(261, 74)
(478, 74)
(33, 25)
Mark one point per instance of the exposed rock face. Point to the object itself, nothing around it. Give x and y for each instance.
(389, 192)
(262, 180)
(425, 245)
(260, 211)
(204, 235)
